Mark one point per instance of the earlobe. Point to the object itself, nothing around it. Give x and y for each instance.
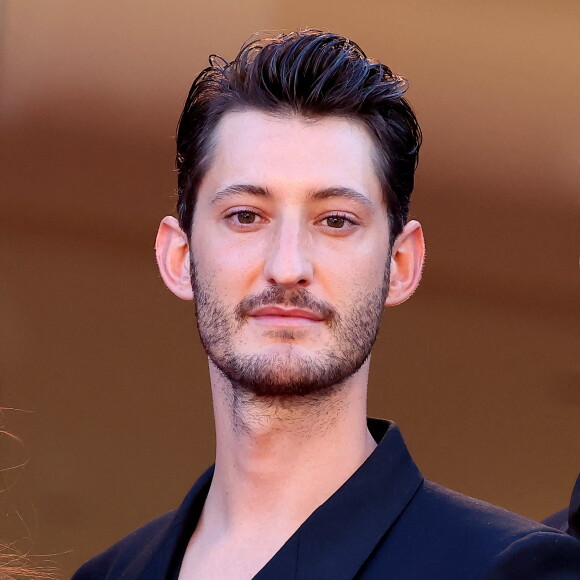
(172, 252)
(408, 256)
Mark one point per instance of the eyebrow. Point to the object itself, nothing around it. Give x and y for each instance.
(239, 190)
(319, 194)
(344, 193)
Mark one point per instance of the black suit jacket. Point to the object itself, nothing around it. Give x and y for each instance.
(386, 522)
(568, 519)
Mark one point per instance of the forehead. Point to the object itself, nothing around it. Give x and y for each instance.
(290, 153)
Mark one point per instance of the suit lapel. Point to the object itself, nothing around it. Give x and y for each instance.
(336, 540)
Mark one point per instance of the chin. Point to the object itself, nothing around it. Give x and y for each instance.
(278, 374)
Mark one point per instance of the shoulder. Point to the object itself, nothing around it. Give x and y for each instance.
(148, 551)
(140, 544)
(445, 534)
(457, 512)
(539, 555)
(512, 546)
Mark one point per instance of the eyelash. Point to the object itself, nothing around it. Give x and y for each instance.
(236, 212)
(347, 219)
(350, 221)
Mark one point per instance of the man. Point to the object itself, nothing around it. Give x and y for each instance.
(296, 166)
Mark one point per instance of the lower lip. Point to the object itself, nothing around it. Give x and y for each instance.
(285, 321)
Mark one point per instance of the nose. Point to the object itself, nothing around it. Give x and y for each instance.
(289, 258)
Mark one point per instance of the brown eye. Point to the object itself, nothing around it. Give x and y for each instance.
(246, 217)
(335, 221)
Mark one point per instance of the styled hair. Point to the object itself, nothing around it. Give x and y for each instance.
(309, 73)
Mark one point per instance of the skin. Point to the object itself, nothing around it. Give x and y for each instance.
(335, 248)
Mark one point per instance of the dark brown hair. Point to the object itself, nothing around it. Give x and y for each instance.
(310, 73)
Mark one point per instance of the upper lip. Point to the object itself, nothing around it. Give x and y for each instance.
(291, 312)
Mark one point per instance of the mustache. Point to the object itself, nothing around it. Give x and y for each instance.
(276, 296)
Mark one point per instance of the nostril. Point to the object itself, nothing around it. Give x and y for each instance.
(288, 283)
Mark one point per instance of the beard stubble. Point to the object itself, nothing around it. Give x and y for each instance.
(288, 374)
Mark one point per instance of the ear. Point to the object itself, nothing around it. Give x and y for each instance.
(407, 257)
(172, 252)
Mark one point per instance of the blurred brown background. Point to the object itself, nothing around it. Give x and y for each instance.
(479, 368)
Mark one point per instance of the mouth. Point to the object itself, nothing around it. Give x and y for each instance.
(279, 316)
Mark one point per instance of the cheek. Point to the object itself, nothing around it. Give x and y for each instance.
(376, 256)
(360, 283)
(356, 266)
(229, 267)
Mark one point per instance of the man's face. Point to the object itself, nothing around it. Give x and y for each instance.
(289, 252)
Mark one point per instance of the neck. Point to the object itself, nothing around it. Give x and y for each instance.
(285, 455)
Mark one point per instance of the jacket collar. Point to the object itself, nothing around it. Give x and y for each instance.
(334, 541)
